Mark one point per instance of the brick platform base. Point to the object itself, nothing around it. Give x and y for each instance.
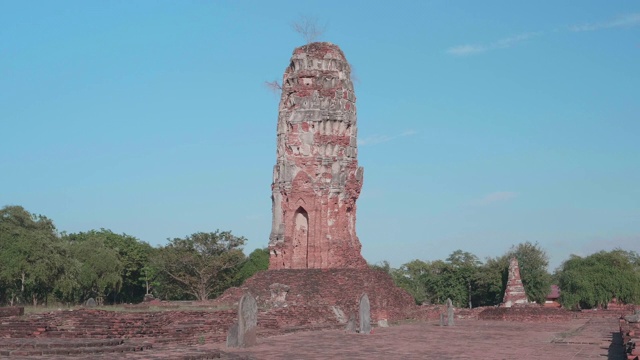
(11, 311)
(321, 291)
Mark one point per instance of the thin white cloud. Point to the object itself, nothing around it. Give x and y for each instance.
(379, 139)
(472, 49)
(408, 133)
(464, 50)
(627, 20)
(494, 197)
(513, 40)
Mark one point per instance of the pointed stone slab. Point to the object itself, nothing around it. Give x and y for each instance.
(450, 314)
(232, 336)
(365, 314)
(247, 321)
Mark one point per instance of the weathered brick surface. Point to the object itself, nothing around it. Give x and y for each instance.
(600, 313)
(316, 179)
(329, 287)
(11, 311)
(428, 312)
(432, 312)
(101, 334)
(468, 339)
(166, 326)
(526, 314)
(630, 334)
(90, 333)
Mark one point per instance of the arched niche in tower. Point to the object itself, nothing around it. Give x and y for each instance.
(300, 239)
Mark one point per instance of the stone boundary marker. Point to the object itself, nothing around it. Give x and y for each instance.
(365, 314)
(447, 320)
(244, 332)
(232, 336)
(351, 325)
(90, 303)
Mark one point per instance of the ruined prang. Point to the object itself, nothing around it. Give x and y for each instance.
(316, 179)
(514, 294)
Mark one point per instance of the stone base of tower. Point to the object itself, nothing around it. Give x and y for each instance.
(335, 257)
(332, 293)
(514, 296)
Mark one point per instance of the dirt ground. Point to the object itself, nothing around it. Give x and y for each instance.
(468, 339)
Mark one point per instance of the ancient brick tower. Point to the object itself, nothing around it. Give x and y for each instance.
(316, 271)
(514, 294)
(316, 179)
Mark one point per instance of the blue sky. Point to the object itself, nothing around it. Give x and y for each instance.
(481, 124)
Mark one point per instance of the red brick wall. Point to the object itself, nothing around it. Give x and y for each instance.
(526, 314)
(172, 325)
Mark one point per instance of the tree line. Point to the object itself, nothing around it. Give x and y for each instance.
(39, 265)
(585, 282)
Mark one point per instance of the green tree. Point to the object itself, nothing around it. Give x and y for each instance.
(465, 268)
(445, 281)
(202, 264)
(435, 281)
(31, 255)
(595, 280)
(160, 284)
(411, 277)
(134, 256)
(440, 284)
(490, 282)
(94, 270)
(258, 260)
(533, 262)
(150, 273)
(132, 260)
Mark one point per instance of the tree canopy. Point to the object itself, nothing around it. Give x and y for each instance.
(38, 265)
(258, 260)
(96, 270)
(469, 282)
(31, 255)
(597, 279)
(202, 264)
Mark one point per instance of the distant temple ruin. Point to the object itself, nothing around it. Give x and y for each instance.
(514, 294)
(316, 179)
